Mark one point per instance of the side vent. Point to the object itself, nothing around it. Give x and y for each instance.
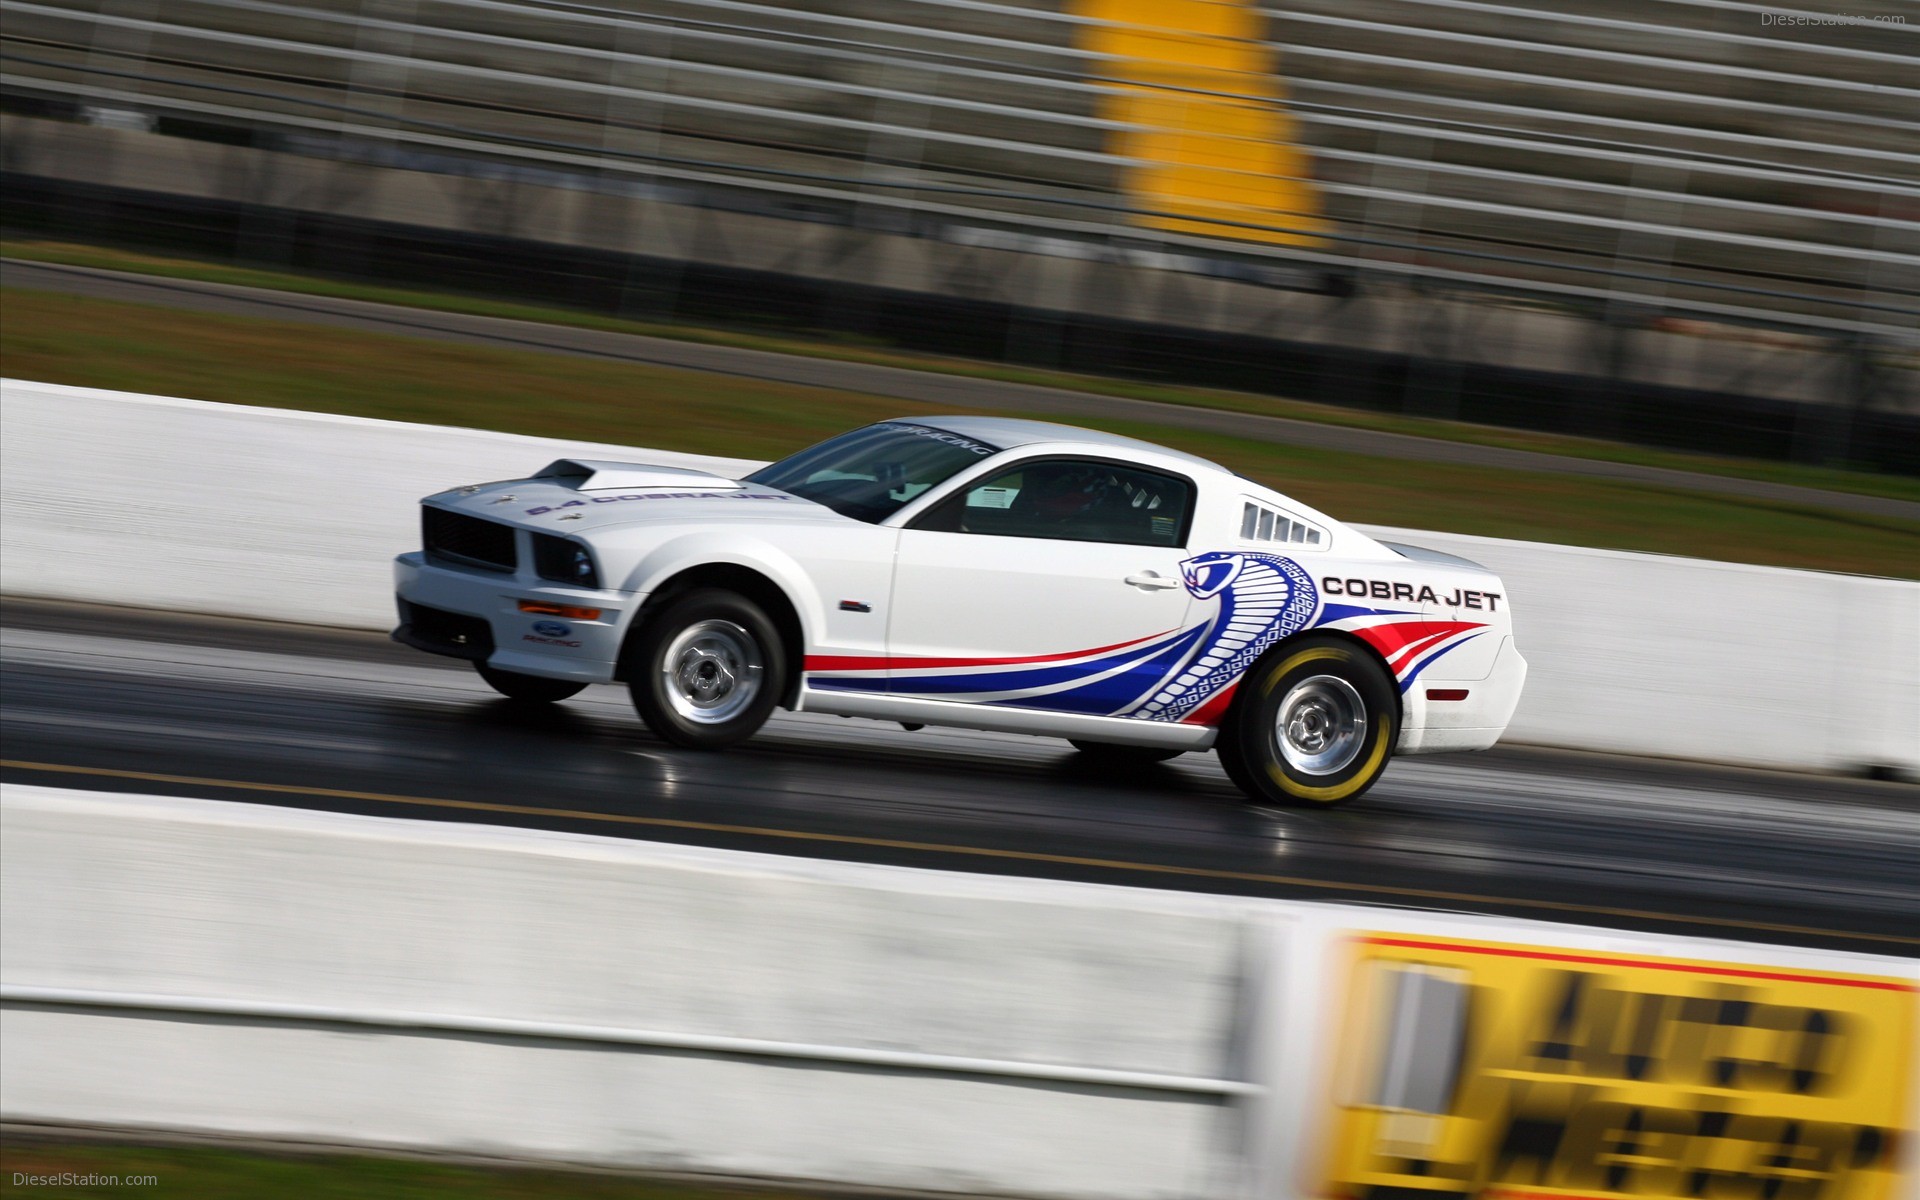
(1258, 523)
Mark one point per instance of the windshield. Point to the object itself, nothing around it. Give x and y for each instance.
(871, 473)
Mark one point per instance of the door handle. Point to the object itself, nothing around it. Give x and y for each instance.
(1151, 581)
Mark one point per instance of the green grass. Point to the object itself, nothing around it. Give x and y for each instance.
(74, 340)
(1867, 483)
(211, 1174)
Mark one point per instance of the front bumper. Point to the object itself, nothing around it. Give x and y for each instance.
(476, 615)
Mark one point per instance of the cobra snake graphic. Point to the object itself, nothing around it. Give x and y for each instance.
(1263, 598)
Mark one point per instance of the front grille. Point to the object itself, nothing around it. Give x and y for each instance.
(466, 541)
(441, 632)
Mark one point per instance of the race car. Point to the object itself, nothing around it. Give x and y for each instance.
(981, 572)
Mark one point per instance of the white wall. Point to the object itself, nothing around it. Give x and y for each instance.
(220, 508)
(158, 900)
(263, 905)
(294, 516)
(1689, 658)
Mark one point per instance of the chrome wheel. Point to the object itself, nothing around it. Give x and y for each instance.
(1312, 725)
(712, 671)
(1321, 725)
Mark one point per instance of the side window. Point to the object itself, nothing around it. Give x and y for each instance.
(1075, 500)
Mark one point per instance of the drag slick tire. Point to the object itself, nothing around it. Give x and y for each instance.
(1313, 726)
(707, 670)
(1113, 754)
(527, 689)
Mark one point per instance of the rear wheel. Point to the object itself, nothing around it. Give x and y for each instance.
(528, 689)
(1314, 725)
(1116, 755)
(707, 670)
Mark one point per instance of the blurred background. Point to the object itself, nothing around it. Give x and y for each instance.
(1683, 223)
(1663, 255)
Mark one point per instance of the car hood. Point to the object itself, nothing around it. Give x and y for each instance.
(575, 496)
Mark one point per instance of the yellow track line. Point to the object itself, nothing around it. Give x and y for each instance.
(1032, 856)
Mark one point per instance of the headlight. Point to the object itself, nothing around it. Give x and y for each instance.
(564, 561)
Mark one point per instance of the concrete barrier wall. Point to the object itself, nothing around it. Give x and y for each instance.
(263, 907)
(219, 508)
(211, 967)
(1690, 658)
(294, 516)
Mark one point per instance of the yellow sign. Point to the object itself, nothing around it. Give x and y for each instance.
(1514, 1072)
(1196, 97)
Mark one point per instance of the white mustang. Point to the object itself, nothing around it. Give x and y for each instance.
(980, 572)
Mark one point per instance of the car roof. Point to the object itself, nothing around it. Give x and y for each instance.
(1011, 432)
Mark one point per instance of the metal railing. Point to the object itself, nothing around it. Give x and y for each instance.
(430, 81)
(1480, 165)
(324, 1016)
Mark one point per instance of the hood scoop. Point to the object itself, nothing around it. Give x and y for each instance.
(589, 475)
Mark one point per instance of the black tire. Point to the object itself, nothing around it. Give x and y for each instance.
(721, 640)
(528, 689)
(1116, 755)
(1329, 682)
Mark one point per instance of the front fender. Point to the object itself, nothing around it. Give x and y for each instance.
(687, 551)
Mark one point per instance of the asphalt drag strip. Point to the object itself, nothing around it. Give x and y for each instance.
(120, 700)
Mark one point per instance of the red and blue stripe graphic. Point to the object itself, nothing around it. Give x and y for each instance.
(1409, 641)
(1099, 680)
(1175, 667)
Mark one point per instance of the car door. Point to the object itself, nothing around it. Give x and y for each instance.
(1053, 584)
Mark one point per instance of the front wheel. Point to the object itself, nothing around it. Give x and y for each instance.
(528, 689)
(707, 670)
(1313, 726)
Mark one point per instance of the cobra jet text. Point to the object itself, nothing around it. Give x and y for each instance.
(1381, 589)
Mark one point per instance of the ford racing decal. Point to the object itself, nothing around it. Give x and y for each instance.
(940, 435)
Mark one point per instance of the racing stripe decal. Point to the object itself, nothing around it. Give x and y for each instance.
(1406, 680)
(1213, 711)
(1392, 638)
(887, 662)
(1411, 646)
(1018, 684)
(1186, 675)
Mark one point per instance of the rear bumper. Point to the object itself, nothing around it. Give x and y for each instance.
(476, 615)
(1430, 726)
